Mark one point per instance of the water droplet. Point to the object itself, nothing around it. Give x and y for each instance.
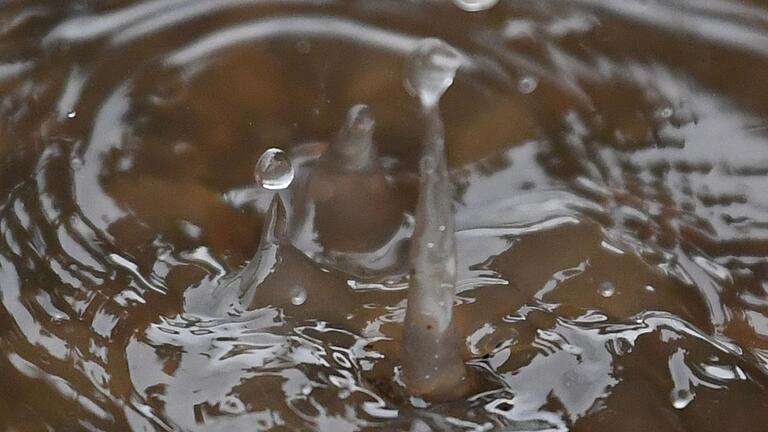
(306, 390)
(441, 228)
(681, 398)
(273, 170)
(650, 288)
(430, 245)
(71, 114)
(527, 85)
(298, 295)
(431, 69)
(475, 5)
(58, 318)
(606, 289)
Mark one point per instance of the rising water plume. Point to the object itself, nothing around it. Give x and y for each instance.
(432, 362)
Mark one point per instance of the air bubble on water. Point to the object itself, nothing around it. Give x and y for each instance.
(475, 5)
(274, 170)
(427, 165)
(71, 114)
(76, 163)
(681, 398)
(606, 289)
(527, 85)
(303, 46)
(431, 69)
(298, 295)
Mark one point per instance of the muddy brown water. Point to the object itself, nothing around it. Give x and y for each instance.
(610, 161)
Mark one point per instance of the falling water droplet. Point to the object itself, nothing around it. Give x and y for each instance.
(527, 85)
(273, 170)
(606, 289)
(475, 5)
(681, 398)
(431, 69)
(298, 295)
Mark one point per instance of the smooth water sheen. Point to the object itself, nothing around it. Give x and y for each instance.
(608, 162)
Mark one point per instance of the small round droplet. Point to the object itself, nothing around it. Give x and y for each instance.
(298, 295)
(475, 5)
(650, 288)
(71, 114)
(527, 85)
(274, 170)
(430, 245)
(681, 398)
(441, 228)
(306, 390)
(431, 69)
(606, 289)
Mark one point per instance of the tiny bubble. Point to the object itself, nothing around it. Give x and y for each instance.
(606, 289)
(527, 85)
(298, 295)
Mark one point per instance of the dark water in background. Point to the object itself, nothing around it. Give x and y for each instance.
(611, 166)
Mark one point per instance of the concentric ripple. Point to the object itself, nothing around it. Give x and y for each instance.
(610, 166)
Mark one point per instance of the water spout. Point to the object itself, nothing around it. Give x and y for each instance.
(432, 363)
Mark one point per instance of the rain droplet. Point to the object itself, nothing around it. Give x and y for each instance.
(527, 85)
(606, 289)
(298, 295)
(441, 228)
(431, 69)
(71, 114)
(681, 398)
(475, 5)
(273, 170)
(306, 390)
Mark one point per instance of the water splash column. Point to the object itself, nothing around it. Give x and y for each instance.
(432, 363)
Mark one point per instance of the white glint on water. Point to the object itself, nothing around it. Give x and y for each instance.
(475, 5)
